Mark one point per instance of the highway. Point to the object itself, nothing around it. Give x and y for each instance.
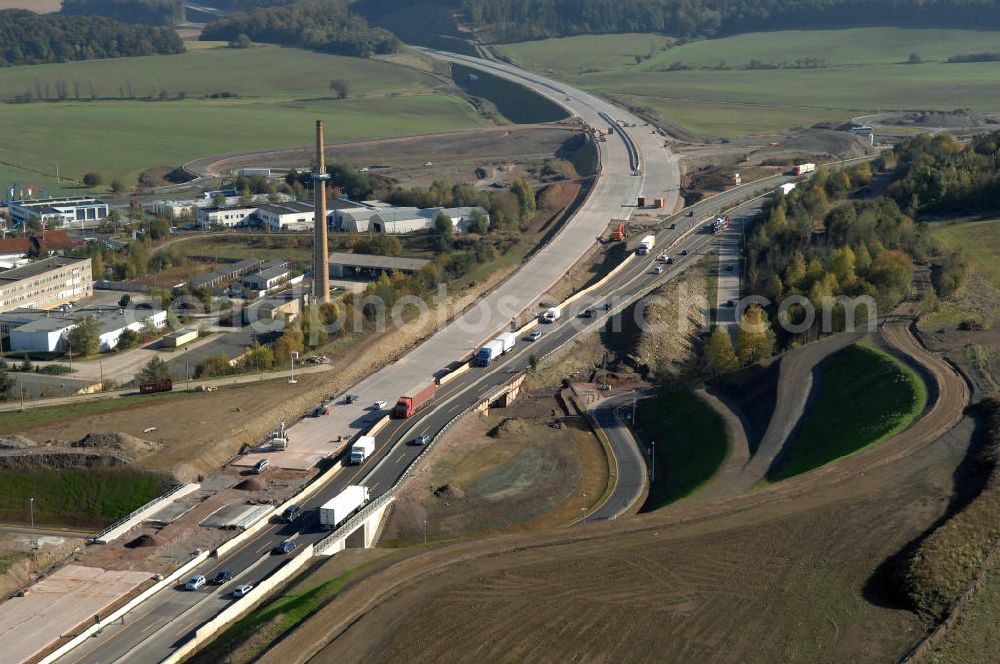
(160, 625)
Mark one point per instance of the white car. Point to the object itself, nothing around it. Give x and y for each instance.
(380, 405)
(196, 583)
(242, 590)
(663, 258)
(658, 269)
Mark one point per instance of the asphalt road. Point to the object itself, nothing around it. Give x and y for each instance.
(632, 468)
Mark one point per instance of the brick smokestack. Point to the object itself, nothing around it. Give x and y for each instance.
(321, 267)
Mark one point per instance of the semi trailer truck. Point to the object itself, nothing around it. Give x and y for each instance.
(494, 348)
(802, 169)
(414, 400)
(336, 510)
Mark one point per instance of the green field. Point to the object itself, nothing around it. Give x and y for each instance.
(980, 240)
(864, 70)
(78, 497)
(863, 397)
(281, 92)
(691, 444)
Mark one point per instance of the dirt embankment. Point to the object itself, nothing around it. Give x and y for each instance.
(95, 450)
(672, 321)
(525, 467)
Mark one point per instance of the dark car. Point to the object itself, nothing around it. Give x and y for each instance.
(285, 547)
(224, 576)
(690, 213)
(290, 513)
(729, 268)
(586, 313)
(684, 252)
(350, 398)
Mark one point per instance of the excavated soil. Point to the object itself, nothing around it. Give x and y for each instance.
(674, 317)
(95, 450)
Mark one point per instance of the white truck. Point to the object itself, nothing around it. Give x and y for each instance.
(552, 315)
(802, 169)
(494, 348)
(336, 510)
(362, 448)
(646, 244)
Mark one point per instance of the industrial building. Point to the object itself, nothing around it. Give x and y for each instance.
(287, 304)
(225, 275)
(268, 276)
(68, 210)
(46, 283)
(224, 216)
(380, 218)
(38, 330)
(178, 338)
(291, 216)
(368, 266)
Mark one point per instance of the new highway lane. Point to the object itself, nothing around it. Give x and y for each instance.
(160, 625)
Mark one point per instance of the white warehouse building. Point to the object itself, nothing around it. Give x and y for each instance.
(291, 216)
(37, 330)
(393, 220)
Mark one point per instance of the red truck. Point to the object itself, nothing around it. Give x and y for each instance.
(408, 405)
(156, 386)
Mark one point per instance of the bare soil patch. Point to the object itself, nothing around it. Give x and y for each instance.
(524, 467)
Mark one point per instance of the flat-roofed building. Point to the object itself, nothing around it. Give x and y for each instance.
(224, 216)
(270, 275)
(367, 265)
(291, 216)
(67, 210)
(46, 284)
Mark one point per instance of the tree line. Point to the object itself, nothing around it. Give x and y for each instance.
(320, 25)
(27, 38)
(520, 20)
(149, 12)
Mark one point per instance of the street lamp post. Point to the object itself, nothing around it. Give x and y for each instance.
(292, 355)
(31, 510)
(425, 531)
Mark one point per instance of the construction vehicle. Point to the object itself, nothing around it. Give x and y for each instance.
(279, 438)
(620, 233)
(720, 224)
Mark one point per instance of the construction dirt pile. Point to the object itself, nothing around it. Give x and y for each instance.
(95, 450)
(512, 426)
(959, 118)
(673, 319)
(252, 484)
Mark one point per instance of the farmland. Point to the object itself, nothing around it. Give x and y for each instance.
(863, 69)
(863, 397)
(269, 97)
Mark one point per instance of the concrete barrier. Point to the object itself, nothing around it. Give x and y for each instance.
(181, 571)
(141, 514)
(610, 275)
(240, 607)
(378, 426)
(447, 378)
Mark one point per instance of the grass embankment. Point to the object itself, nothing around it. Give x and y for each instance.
(691, 443)
(864, 397)
(277, 95)
(14, 421)
(754, 392)
(88, 497)
(864, 68)
(980, 240)
(948, 559)
(250, 636)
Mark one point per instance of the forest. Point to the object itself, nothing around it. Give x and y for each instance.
(150, 12)
(520, 20)
(27, 38)
(321, 25)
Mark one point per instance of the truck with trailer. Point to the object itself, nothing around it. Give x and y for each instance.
(494, 348)
(362, 448)
(646, 244)
(414, 400)
(802, 169)
(552, 314)
(335, 511)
